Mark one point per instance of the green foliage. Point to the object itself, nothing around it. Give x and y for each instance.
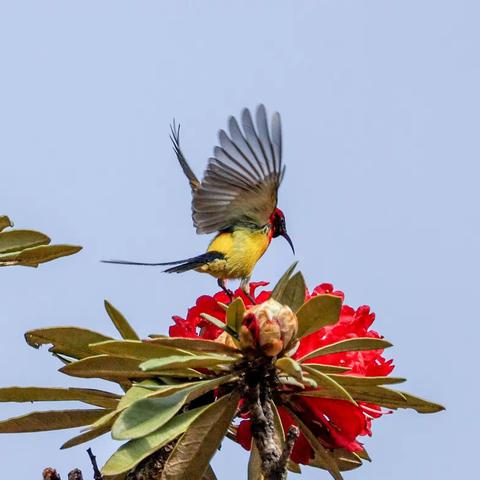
(28, 247)
(188, 390)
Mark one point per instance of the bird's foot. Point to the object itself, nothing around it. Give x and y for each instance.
(230, 294)
(221, 284)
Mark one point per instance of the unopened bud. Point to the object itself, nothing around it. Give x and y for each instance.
(270, 327)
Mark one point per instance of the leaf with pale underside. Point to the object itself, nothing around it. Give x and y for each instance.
(235, 312)
(70, 341)
(98, 398)
(32, 257)
(349, 345)
(318, 312)
(290, 366)
(5, 222)
(134, 451)
(183, 361)
(279, 288)
(327, 385)
(51, 420)
(294, 293)
(135, 349)
(319, 450)
(18, 240)
(121, 323)
(192, 453)
(107, 367)
(193, 345)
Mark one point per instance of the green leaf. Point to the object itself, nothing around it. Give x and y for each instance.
(17, 240)
(40, 394)
(143, 389)
(94, 432)
(219, 324)
(135, 349)
(279, 288)
(5, 222)
(192, 453)
(235, 312)
(193, 345)
(328, 386)
(389, 398)
(32, 257)
(70, 341)
(107, 367)
(209, 474)
(134, 451)
(349, 345)
(421, 405)
(294, 293)
(324, 368)
(290, 366)
(254, 463)
(378, 395)
(362, 381)
(319, 450)
(51, 420)
(318, 312)
(147, 415)
(121, 323)
(182, 361)
(345, 460)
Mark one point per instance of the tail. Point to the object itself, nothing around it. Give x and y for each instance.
(175, 138)
(180, 265)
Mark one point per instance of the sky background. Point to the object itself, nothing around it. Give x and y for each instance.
(380, 106)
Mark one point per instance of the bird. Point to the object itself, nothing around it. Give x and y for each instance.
(236, 199)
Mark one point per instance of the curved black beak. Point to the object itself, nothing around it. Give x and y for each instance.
(285, 235)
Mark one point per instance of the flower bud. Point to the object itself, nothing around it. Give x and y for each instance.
(270, 327)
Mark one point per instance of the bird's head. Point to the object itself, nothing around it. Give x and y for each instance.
(279, 228)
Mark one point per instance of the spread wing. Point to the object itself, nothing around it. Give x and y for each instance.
(241, 182)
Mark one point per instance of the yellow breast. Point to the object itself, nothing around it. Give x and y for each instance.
(242, 249)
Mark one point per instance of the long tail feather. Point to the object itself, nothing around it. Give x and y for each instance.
(180, 265)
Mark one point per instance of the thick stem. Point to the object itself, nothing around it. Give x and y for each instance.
(258, 397)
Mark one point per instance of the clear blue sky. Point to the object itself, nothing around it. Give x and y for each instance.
(380, 103)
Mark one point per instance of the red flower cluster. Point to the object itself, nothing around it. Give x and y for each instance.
(336, 423)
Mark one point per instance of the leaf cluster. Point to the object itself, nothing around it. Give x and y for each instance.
(28, 248)
(189, 390)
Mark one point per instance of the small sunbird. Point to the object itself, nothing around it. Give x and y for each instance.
(237, 198)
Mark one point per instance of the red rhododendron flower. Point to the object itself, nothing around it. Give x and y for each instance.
(336, 423)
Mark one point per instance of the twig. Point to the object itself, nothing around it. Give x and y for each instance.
(97, 475)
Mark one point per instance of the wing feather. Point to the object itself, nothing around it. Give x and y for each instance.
(241, 182)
